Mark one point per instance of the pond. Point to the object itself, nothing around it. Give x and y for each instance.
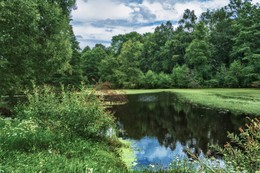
(161, 127)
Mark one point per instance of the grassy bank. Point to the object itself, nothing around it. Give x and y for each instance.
(60, 132)
(235, 100)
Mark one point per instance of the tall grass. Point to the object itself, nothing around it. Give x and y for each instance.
(59, 131)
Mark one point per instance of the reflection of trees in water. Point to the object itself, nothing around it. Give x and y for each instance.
(171, 120)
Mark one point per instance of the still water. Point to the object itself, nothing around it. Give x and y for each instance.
(161, 127)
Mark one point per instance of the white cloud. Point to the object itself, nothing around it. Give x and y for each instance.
(256, 1)
(159, 9)
(159, 153)
(175, 12)
(90, 20)
(100, 10)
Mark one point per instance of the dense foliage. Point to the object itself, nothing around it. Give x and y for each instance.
(218, 49)
(36, 42)
(58, 132)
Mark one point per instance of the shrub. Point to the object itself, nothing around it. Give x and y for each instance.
(164, 80)
(59, 131)
(79, 112)
(149, 80)
(242, 154)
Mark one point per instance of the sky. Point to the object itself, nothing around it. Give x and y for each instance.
(97, 21)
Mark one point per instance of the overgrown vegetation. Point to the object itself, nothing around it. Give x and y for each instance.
(242, 153)
(59, 132)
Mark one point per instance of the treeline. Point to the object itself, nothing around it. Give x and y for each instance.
(221, 48)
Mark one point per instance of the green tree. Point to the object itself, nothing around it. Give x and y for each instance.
(34, 43)
(149, 80)
(129, 73)
(221, 36)
(198, 54)
(246, 42)
(154, 51)
(91, 60)
(188, 20)
(108, 69)
(119, 40)
(234, 75)
(181, 76)
(164, 80)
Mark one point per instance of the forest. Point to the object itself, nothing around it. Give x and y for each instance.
(62, 125)
(220, 48)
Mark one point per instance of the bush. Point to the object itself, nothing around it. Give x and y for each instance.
(181, 76)
(242, 154)
(149, 80)
(80, 113)
(59, 131)
(164, 80)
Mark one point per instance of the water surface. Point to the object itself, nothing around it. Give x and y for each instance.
(161, 127)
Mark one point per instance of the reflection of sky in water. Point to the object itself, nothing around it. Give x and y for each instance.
(148, 151)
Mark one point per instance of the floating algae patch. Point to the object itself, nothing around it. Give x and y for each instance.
(127, 153)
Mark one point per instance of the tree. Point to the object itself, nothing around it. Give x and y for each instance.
(129, 73)
(149, 80)
(119, 40)
(234, 75)
(188, 20)
(246, 42)
(74, 74)
(154, 52)
(181, 76)
(235, 7)
(107, 70)
(221, 37)
(91, 60)
(198, 54)
(34, 43)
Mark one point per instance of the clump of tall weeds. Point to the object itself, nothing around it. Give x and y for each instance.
(58, 130)
(76, 112)
(242, 153)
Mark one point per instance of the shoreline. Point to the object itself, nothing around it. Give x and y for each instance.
(237, 101)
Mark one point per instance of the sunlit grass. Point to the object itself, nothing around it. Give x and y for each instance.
(236, 100)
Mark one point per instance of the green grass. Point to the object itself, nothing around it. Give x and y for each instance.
(60, 132)
(235, 100)
(74, 156)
